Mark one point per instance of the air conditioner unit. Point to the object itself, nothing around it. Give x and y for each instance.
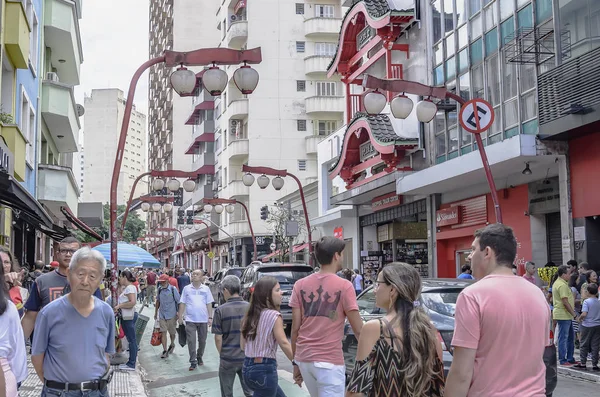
(52, 77)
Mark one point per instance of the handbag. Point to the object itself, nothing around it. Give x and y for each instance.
(182, 337)
(156, 339)
(128, 314)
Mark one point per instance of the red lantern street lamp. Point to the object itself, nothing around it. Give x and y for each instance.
(227, 204)
(201, 222)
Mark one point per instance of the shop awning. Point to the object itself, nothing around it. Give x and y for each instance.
(15, 196)
(206, 137)
(195, 117)
(79, 224)
(297, 248)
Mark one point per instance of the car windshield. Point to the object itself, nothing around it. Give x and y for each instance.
(441, 301)
(285, 276)
(235, 272)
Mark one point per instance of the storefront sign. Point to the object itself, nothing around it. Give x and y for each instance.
(367, 151)
(364, 36)
(448, 216)
(544, 196)
(385, 201)
(338, 232)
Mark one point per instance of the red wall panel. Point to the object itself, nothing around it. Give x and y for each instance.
(584, 161)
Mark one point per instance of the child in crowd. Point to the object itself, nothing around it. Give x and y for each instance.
(590, 328)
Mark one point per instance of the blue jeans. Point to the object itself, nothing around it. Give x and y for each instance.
(261, 378)
(48, 392)
(129, 329)
(566, 341)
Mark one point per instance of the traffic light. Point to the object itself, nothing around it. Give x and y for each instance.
(189, 217)
(178, 197)
(264, 212)
(181, 217)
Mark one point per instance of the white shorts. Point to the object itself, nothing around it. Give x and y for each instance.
(323, 379)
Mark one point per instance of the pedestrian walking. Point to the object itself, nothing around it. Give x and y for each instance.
(183, 280)
(398, 355)
(13, 356)
(563, 314)
(126, 311)
(590, 329)
(165, 311)
(226, 328)
(52, 285)
(529, 272)
(150, 287)
(466, 272)
(12, 277)
(357, 281)
(196, 306)
(143, 285)
(262, 331)
(173, 280)
(75, 334)
(320, 303)
(498, 341)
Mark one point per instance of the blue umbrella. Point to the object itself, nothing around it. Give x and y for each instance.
(129, 255)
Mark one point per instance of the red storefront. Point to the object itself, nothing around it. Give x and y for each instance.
(457, 222)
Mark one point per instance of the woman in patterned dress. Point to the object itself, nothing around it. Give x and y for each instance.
(398, 355)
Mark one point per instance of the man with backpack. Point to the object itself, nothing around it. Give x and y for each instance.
(166, 312)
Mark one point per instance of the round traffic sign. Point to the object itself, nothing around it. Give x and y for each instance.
(476, 116)
(272, 246)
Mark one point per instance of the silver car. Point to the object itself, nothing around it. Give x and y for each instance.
(214, 283)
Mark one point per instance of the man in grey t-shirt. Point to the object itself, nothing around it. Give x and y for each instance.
(76, 327)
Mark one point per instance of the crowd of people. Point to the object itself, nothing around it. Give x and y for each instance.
(66, 316)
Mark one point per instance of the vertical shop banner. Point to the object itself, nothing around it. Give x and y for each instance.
(338, 232)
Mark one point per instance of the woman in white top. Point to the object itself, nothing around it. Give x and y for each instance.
(13, 358)
(127, 302)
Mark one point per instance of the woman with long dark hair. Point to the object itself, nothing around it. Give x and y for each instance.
(262, 331)
(13, 358)
(12, 277)
(398, 355)
(126, 309)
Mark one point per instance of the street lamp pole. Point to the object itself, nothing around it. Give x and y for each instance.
(201, 57)
(284, 173)
(172, 229)
(411, 87)
(221, 201)
(201, 222)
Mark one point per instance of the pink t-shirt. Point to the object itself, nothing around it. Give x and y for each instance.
(325, 300)
(507, 320)
(529, 278)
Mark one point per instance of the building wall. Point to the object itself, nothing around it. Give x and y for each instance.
(103, 119)
(584, 162)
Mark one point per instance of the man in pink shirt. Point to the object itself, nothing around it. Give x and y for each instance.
(320, 304)
(502, 325)
(529, 272)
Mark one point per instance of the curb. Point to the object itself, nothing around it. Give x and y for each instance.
(579, 374)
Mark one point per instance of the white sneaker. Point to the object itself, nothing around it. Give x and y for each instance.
(125, 367)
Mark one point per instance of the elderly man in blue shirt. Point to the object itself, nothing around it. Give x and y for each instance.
(75, 326)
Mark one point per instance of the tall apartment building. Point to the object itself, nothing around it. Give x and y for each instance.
(103, 120)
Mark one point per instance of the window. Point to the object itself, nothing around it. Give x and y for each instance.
(438, 51)
(506, 29)
(300, 46)
(448, 15)
(33, 37)
(450, 45)
(477, 81)
(491, 16)
(27, 126)
(476, 28)
(324, 11)
(463, 36)
(325, 49)
(477, 52)
(529, 106)
(491, 42)
(511, 115)
(437, 20)
(461, 12)
(301, 125)
(301, 85)
(509, 80)
(507, 8)
(525, 17)
(464, 84)
(299, 8)
(463, 61)
(438, 75)
(301, 165)
(450, 68)
(6, 101)
(493, 80)
(474, 6)
(326, 88)
(326, 127)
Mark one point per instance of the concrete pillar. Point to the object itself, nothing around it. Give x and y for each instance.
(566, 214)
(433, 203)
(245, 261)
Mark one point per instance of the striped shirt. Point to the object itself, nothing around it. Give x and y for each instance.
(227, 321)
(265, 344)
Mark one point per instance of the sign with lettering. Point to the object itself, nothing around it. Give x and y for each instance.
(367, 151)
(364, 36)
(448, 216)
(386, 201)
(338, 232)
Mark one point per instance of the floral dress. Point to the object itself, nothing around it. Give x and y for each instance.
(380, 373)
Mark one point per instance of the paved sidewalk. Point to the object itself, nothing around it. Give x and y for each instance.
(588, 374)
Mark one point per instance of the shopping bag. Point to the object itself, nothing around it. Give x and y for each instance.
(181, 335)
(156, 339)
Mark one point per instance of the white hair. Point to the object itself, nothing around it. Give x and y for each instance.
(86, 254)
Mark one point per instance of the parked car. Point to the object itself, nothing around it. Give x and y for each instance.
(286, 273)
(214, 283)
(438, 297)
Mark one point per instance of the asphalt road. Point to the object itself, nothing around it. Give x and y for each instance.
(569, 387)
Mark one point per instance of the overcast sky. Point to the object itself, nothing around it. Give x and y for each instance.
(115, 43)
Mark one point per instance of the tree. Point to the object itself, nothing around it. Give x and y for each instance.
(276, 221)
(134, 226)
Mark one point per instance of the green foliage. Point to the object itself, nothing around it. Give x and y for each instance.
(278, 216)
(6, 118)
(134, 227)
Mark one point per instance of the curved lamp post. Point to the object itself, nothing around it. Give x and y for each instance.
(248, 180)
(172, 229)
(201, 222)
(182, 84)
(426, 111)
(219, 205)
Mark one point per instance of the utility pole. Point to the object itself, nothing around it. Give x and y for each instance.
(291, 243)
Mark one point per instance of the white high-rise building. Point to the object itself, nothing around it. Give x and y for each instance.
(294, 106)
(103, 119)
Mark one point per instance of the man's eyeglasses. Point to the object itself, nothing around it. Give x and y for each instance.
(67, 251)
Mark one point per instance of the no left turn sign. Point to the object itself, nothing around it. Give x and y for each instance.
(476, 116)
